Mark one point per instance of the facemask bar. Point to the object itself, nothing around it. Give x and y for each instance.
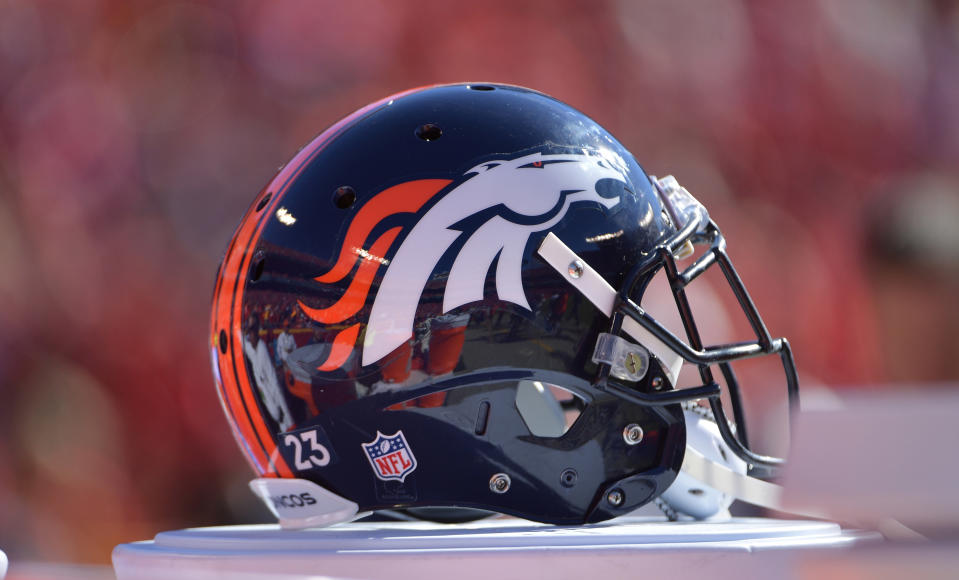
(695, 227)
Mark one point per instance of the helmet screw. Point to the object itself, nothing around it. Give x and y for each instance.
(615, 497)
(499, 483)
(632, 434)
(576, 268)
(633, 363)
(657, 383)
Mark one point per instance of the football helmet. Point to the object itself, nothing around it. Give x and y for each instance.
(438, 302)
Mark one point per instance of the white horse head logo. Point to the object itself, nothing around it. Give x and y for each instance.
(520, 197)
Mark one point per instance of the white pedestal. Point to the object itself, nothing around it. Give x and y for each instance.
(499, 548)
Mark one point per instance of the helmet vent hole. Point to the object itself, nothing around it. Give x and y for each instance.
(264, 201)
(481, 88)
(696, 491)
(256, 270)
(344, 197)
(429, 132)
(223, 341)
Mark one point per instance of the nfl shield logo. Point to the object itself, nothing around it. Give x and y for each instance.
(390, 456)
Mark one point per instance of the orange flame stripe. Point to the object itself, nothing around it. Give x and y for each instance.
(405, 197)
(341, 349)
(355, 297)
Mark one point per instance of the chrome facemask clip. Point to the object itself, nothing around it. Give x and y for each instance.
(627, 361)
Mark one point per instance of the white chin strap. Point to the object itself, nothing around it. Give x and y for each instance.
(738, 485)
(712, 475)
(718, 477)
(730, 482)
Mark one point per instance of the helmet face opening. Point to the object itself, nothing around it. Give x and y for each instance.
(410, 313)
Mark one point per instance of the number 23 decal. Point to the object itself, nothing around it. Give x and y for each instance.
(308, 452)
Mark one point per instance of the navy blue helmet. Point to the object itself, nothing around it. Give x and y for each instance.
(439, 303)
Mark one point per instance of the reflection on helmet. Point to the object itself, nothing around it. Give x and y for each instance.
(437, 271)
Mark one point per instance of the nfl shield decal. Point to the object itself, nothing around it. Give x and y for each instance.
(390, 456)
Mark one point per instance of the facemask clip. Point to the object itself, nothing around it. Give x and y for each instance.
(627, 361)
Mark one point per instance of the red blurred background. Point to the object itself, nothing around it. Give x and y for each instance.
(823, 137)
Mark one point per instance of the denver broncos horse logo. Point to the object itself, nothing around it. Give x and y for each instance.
(511, 198)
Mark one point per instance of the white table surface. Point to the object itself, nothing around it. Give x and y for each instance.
(499, 548)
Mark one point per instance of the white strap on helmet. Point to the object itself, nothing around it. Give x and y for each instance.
(590, 284)
(733, 483)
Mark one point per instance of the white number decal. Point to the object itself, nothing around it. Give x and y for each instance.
(318, 453)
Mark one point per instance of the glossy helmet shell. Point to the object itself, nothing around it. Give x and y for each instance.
(387, 282)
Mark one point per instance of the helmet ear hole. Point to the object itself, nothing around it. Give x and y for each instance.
(547, 410)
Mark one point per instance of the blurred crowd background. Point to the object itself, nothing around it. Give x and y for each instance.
(823, 136)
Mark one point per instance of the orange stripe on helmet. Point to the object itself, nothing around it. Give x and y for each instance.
(231, 272)
(341, 349)
(406, 197)
(355, 297)
(217, 362)
(245, 388)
